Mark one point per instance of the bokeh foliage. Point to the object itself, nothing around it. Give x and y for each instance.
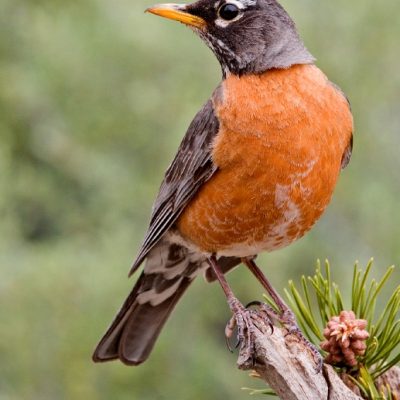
(94, 98)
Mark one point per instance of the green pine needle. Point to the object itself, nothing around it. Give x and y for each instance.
(266, 391)
(319, 299)
(319, 290)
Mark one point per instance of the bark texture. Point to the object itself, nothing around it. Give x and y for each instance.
(289, 367)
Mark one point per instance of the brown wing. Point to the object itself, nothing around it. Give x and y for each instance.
(191, 167)
(347, 153)
(349, 149)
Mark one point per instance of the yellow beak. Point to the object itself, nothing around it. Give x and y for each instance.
(177, 13)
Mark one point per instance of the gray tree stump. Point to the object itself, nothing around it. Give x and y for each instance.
(289, 368)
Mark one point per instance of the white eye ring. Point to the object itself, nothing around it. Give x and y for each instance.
(223, 22)
(228, 11)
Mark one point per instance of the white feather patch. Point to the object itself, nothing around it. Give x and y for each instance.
(154, 298)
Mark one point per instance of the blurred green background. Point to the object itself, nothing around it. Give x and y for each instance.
(95, 97)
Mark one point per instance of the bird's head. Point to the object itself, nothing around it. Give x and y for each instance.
(247, 36)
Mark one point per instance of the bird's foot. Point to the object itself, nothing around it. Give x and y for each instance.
(288, 320)
(265, 312)
(282, 313)
(242, 321)
(246, 320)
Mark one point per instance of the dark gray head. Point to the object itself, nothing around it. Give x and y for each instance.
(247, 36)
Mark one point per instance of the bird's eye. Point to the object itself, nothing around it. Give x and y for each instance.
(228, 11)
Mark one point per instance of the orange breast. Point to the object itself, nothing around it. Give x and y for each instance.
(279, 150)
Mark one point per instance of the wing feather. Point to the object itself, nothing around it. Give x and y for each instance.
(191, 167)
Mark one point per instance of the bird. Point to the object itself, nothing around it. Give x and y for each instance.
(255, 170)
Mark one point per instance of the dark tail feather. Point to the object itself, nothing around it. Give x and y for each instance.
(135, 329)
(168, 272)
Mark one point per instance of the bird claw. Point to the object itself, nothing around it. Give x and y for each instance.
(229, 329)
(269, 314)
(242, 321)
(288, 320)
(254, 303)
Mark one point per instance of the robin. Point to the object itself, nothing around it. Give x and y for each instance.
(254, 172)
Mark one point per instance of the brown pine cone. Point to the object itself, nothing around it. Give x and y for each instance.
(345, 339)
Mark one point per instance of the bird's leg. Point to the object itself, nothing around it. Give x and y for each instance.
(283, 308)
(286, 317)
(241, 316)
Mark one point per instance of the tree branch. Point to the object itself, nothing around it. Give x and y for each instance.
(288, 366)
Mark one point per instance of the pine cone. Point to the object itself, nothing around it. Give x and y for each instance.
(345, 339)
